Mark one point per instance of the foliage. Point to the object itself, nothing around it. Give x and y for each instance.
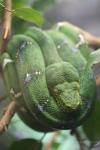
(43, 5)
(92, 125)
(26, 12)
(37, 4)
(30, 15)
(26, 144)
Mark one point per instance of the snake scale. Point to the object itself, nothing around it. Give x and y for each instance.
(48, 69)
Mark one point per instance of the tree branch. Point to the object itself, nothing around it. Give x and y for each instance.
(50, 144)
(98, 80)
(6, 24)
(81, 140)
(91, 39)
(8, 113)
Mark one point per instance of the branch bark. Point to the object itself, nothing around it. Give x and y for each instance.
(6, 24)
(80, 139)
(92, 40)
(50, 144)
(8, 113)
(98, 80)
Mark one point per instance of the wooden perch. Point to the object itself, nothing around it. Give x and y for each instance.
(91, 39)
(98, 80)
(50, 144)
(8, 113)
(6, 24)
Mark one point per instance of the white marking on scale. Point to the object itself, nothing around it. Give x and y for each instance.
(45, 102)
(59, 25)
(28, 77)
(81, 41)
(29, 42)
(37, 73)
(12, 91)
(40, 108)
(59, 46)
(16, 95)
(23, 45)
(62, 44)
(6, 61)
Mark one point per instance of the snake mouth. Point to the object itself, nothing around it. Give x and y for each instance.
(70, 101)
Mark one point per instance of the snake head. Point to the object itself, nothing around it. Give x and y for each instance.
(64, 84)
(68, 96)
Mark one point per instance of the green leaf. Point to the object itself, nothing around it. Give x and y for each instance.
(43, 4)
(21, 3)
(26, 144)
(30, 15)
(94, 58)
(69, 144)
(92, 125)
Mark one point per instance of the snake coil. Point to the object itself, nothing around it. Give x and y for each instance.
(49, 69)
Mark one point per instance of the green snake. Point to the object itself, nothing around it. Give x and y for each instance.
(50, 71)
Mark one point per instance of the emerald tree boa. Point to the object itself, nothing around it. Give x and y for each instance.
(48, 73)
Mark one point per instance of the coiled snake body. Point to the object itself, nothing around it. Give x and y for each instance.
(50, 71)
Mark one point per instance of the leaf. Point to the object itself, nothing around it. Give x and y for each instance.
(30, 15)
(26, 144)
(94, 58)
(21, 3)
(92, 125)
(69, 144)
(42, 5)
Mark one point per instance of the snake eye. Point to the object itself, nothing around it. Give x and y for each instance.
(56, 91)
